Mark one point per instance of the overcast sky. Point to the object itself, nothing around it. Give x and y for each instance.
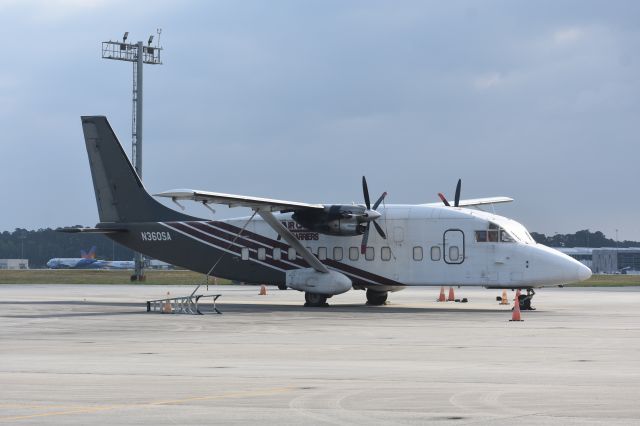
(297, 100)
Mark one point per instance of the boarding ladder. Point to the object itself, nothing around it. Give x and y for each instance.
(183, 305)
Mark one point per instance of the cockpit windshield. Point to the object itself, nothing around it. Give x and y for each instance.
(494, 234)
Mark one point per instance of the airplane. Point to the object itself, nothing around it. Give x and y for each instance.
(85, 261)
(322, 250)
(88, 261)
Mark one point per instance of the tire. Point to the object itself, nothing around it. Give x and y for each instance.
(315, 300)
(376, 298)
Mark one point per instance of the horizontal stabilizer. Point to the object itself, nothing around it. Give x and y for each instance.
(91, 230)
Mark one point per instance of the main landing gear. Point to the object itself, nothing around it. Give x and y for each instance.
(376, 298)
(315, 300)
(525, 300)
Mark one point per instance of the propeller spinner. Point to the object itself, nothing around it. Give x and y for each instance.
(370, 215)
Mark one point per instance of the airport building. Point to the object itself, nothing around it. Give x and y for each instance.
(14, 263)
(606, 260)
(582, 254)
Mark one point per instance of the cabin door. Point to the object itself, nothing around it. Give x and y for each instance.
(453, 244)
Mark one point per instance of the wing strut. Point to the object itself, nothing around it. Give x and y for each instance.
(228, 247)
(292, 240)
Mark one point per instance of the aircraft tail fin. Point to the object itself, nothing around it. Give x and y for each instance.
(90, 255)
(120, 195)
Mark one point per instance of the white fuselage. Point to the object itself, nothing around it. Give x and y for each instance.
(437, 245)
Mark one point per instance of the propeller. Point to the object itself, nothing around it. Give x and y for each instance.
(370, 215)
(456, 201)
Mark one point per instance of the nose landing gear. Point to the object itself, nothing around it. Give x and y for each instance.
(525, 300)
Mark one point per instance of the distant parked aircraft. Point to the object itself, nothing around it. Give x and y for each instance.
(88, 261)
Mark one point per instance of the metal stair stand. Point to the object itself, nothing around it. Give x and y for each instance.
(182, 305)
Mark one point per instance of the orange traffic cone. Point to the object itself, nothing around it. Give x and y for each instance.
(452, 297)
(516, 308)
(166, 307)
(505, 300)
(263, 290)
(442, 297)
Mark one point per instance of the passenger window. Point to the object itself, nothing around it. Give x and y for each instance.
(435, 253)
(417, 253)
(322, 253)
(244, 253)
(277, 253)
(385, 253)
(337, 253)
(454, 253)
(291, 254)
(354, 253)
(369, 253)
(481, 236)
(262, 253)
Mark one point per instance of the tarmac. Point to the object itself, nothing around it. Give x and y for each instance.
(76, 355)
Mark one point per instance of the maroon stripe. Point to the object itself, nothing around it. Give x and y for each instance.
(332, 263)
(257, 237)
(362, 273)
(221, 242)
(243, 242)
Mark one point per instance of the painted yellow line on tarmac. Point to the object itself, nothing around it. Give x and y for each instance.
(95, 409)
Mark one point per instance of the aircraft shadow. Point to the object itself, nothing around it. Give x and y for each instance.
(245, 308)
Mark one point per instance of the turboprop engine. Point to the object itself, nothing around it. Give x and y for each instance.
(344, 219)
(311, 281)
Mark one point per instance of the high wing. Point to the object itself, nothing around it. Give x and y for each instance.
(263, 206)
(477, 201)
(232, 200)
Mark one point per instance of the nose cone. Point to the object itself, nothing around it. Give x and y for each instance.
(553, 267)
(584, 273)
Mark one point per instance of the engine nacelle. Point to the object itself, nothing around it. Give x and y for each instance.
(348, 226)
(312, 281)
(340, 219)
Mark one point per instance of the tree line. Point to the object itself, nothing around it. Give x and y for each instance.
(584, 238)
(43, 244)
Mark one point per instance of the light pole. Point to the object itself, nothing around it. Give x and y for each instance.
(139, 55)
(22, 237)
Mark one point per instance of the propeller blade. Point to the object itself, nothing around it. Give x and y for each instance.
(456, 202)
(379, 229)
(365, 191)
(444, 200)
(377, 203)
(365, 239)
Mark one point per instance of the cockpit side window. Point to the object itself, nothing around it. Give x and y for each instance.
(505, 237)
(494, 234)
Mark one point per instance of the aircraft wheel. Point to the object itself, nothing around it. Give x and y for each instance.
(376, 298)
(315, 300)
